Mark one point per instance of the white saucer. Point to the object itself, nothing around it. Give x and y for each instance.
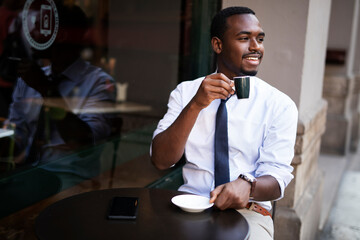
(192, 203)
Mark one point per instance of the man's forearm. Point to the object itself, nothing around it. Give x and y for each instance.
(236, 194)
(267, 188)
(168, 146)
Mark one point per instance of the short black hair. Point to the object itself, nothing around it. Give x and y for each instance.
(73, 20)
(218, 25)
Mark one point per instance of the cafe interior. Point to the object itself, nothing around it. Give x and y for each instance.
(91, 127)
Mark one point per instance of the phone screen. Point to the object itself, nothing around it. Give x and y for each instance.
(123, 208)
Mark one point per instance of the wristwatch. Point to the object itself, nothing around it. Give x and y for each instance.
(251, 179)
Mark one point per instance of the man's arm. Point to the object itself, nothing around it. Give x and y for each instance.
(273, 174)
(236, 194)
(72, 129)
(168, 146)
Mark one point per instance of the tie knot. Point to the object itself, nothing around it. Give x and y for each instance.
(223, 102)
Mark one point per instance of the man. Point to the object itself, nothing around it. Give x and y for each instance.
(45, 136)
(261, 129)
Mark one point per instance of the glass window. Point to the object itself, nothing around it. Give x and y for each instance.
(83, 84)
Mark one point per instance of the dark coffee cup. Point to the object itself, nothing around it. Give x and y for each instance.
(242, 87)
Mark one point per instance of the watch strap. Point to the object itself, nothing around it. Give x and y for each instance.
(250, 179)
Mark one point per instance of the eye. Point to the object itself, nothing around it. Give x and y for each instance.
(260, 39)
(243, 38)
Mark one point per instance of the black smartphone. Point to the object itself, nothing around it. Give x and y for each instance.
(123, 208)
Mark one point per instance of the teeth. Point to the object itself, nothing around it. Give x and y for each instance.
(252, 58)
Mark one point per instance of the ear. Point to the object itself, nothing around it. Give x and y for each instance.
(216, 45)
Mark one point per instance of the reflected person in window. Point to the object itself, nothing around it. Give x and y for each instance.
(44, 134)
(261, 129)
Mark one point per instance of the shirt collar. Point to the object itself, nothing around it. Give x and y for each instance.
(72, 72)
(75, 69)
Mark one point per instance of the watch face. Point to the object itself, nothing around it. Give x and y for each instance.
(248, 177)
(251, 178)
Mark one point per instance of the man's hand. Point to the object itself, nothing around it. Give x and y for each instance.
(233, 194)
(214, 86)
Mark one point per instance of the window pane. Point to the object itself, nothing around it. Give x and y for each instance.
(83, 84)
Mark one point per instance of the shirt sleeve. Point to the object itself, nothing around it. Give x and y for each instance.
(277, 151)
(103, 90)
(18, 117)
(174, 109)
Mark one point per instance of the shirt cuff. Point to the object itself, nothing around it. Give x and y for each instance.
(280, 182)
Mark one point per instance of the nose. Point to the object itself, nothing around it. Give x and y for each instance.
(254, 45)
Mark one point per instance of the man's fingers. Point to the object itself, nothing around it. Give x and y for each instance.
(218, 197)
(220, 76)
(221, 87)
(215, 86)
(215, 193)
(222, 200)
(218, 92)
(224, 79)
(213, 198)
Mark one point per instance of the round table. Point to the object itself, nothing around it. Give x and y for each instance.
(83, 216)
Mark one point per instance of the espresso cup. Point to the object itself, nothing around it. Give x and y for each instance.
(242, 87)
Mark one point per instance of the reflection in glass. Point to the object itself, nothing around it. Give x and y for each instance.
(67, 114)
(54, 88)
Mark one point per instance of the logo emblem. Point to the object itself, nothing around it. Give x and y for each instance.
(40, 22)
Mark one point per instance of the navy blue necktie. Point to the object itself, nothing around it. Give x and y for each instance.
(221, 146)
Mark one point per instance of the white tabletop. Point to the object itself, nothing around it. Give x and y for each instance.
(6, 132)
(71, 105)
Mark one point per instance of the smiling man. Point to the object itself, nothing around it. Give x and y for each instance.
(260, 134)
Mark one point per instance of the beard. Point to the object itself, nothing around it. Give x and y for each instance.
(248, 73)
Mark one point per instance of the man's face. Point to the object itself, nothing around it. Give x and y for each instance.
(242, 46)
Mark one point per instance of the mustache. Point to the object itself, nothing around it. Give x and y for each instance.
(252, 54)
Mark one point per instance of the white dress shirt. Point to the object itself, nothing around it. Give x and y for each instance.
(261, 131)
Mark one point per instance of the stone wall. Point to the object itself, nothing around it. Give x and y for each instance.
(342, 95)
(354, 139)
